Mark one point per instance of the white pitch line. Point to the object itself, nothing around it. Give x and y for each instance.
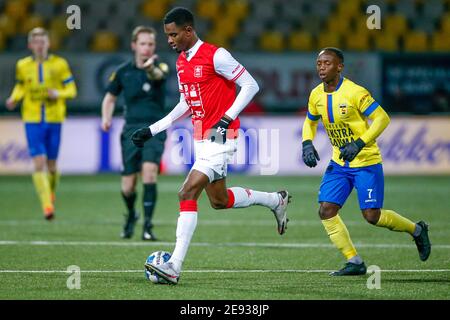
(209, 244)
(269, 222)
(223, 271)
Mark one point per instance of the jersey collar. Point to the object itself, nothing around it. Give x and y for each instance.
(192, 51)
(46, 58)
(341, 80)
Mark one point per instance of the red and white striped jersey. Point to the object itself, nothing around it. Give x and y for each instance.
(206, 76)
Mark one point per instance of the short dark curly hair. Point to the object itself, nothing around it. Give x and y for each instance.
(336, 51)
(181, 16)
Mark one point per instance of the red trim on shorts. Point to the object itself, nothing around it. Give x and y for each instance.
(188, 205)
(230, 203)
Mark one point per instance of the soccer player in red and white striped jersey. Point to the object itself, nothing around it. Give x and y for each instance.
(207, 78)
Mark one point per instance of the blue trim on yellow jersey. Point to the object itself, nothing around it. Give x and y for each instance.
(312, 117)
(41, 80)
(339, 83)
(40, 73)
(68, 80)
(371, 108)
(330, 108)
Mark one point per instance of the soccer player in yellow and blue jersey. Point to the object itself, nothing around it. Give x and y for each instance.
(345, 108)
(43, 81)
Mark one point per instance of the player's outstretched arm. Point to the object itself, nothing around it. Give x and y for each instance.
(18, 92)
(380, 120)
(140, 136)
(69, 89)
(108, 105)
(249, 88)
(229, 68)
(16, 95)
(310, 155)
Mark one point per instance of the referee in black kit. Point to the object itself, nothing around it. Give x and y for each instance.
(142, 81)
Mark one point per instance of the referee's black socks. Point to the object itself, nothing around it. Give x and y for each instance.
(149, 202)
(129, 202)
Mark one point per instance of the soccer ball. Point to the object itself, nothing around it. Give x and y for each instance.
(156, 258)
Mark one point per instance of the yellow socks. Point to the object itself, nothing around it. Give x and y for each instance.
(395, 222)
(53, 180)
(42, 187)
(338, 233)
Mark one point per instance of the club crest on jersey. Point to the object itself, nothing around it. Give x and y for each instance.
(343, 110)
(198, 71)
(146, 87)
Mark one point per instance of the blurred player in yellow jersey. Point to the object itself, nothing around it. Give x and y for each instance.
(43, 81)
(345, 109)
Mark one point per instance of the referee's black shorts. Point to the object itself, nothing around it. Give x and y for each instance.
(132, 157)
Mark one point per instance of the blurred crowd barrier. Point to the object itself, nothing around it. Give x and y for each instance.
(266, 146)
(409, 83)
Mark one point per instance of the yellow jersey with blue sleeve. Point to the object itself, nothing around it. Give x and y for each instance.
(33, 79)
(345, 114)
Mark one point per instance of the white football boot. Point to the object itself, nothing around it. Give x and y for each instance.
(280, 211)
(165, 271)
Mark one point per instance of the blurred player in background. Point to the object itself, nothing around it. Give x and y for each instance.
(44, 82)
(142, 81)
(345, 109)
(207, 77)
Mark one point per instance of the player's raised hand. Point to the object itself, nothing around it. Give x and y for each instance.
(218, 133)
(351, 150)
(140, 136)
(106, 124)
(309, 154)
(148, 65)
(10, 104)
(53, 94)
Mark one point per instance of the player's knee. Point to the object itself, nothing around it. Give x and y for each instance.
(371, 215)
(328, 210)
(218, 203)
(186, 194)
(128, 190)
(39, 163)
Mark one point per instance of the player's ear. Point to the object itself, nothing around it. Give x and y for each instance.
(133, 45)
(189, 29)
(340, 67)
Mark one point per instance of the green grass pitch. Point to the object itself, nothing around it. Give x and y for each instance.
(235, 254)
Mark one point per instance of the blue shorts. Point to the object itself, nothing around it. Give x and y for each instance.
(338, 183)
(43, 139)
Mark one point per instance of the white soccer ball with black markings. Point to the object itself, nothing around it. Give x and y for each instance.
(156, 258)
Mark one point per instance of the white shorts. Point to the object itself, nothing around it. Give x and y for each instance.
(212, 158)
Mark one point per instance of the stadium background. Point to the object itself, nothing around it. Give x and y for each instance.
(405, 65)
(235, 254)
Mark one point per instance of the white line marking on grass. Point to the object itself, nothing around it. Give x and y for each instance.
(217, 223)
(223, 271)
(210, 244)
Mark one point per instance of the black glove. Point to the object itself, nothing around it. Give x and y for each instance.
(140, 136)
(218, 132)
(309, 154)
(351, 150)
